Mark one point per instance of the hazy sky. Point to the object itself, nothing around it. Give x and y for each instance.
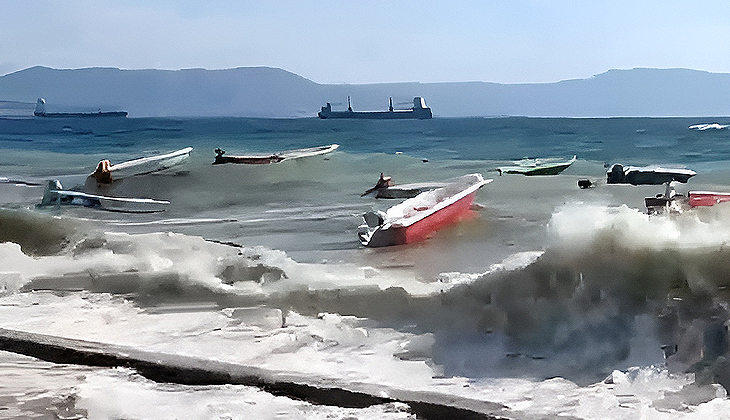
(506, 41)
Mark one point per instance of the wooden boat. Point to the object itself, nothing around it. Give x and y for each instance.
(55, 195)
(417, 218)
(548, 166)
(106, 173)
(648, 175)
(274, 158)
(385, 188)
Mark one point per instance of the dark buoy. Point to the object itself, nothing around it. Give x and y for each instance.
(585, 183)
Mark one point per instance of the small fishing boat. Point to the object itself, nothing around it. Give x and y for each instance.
(648, 175)
(385, 188)
(544, 166)
(673, 202)
(55, 195)
(417, 218)
(220, 157)
(106, 173)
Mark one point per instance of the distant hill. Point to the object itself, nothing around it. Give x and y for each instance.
(273, 92)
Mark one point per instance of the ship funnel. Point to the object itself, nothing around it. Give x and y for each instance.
(40, 107)
(419, 102)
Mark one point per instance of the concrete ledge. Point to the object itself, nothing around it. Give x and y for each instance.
(162, 367)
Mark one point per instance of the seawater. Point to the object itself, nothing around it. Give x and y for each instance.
(549, 281)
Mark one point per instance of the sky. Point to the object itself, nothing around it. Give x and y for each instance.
(505, 41)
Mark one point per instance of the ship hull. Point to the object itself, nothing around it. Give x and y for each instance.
(378, 115)
(115, 114)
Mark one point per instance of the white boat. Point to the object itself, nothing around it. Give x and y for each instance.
(274, 157)
(647, 175)
(538, 166)
(106, 172)
(55, 195)
(417, 218)
(703, 127)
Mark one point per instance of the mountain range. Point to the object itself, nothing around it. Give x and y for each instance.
(275, 93)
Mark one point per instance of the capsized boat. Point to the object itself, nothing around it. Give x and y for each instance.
(647, 175)
(55, 195)
(537, 166)
(417, 218)
(106, 173)
(220, 157)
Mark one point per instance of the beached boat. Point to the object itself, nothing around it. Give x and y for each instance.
(545, 166)
(648, 175)
(419, 111)
(417, 218)
(55, 195)
(220, 157)
(106, 173)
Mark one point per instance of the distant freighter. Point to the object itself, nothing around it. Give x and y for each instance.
(419, 111)
(40, 111)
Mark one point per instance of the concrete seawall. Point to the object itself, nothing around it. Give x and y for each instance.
(163, 367)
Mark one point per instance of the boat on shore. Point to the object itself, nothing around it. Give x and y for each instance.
(40, 111)
(648, 175)
(106, 173)
(221, 158)
(419, 111)
(418, 218)
(537, 166)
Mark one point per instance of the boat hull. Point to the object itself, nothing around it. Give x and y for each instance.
(646, 176)
(706, 198)
(420, 230)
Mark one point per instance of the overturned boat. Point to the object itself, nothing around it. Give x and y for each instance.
(417, 218)
(419, 111)
(221, 158)
(537, 166)
(648, 175)
(55, 195)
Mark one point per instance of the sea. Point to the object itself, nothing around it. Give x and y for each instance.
(553, 301)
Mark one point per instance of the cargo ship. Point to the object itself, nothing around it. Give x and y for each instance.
(40, 111)
(419, 111)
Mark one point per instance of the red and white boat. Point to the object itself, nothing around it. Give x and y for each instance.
(677, 203)
(417, 218)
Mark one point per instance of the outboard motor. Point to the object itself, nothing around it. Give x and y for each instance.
(615, 175)
(51, 198)
(374, 218)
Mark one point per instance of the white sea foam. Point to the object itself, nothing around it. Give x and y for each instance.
(576, 225)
